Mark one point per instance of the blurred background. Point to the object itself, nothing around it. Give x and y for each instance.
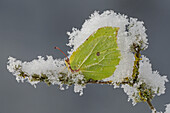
(29, 28)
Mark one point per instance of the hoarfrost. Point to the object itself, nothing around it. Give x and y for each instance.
(132, 31)
(167, 108)
(152, 78)
(49, 67)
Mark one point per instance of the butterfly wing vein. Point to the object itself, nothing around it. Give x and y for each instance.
(98, 56)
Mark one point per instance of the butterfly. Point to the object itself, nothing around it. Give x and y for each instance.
(98, 56)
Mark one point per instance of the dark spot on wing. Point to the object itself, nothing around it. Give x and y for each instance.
(98, 53)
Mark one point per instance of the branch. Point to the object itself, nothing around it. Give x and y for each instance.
(150, 105)
(105, 82)
(137, 55)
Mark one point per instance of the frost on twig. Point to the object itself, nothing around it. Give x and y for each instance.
(167, 110)
(134, 73)
(150, 83)
(50, 71)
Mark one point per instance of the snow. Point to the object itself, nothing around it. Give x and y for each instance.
(132, 31)
(152, 78)
(167, 110)
(48, 67)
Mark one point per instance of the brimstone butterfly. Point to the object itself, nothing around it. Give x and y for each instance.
(98, 56)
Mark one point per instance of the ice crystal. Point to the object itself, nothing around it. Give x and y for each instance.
(49, 70)
(167, 108)
(78, 87)
(37, 67)
(131, 92)
(152, 78)
(151, 81)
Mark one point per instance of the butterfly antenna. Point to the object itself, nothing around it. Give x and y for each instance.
(62, 52)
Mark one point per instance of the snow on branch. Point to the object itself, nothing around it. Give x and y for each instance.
(134, 73)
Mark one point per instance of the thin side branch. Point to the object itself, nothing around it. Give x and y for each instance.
(137, 50)
(150, 105)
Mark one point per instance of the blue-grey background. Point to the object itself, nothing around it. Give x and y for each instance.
(29, 28)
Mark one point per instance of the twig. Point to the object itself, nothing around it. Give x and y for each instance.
(105, 82)
(150, 105)
(137, 50)
(100, 82)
